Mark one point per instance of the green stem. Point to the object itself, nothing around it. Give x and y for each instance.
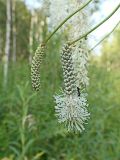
(105, 37)
(65, 20)
(94, 28)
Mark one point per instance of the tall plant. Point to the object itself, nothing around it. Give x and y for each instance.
(71, 105)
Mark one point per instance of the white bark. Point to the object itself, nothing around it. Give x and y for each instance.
(8, 40)
(14, 30)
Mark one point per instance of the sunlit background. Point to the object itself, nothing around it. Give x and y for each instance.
(105, 9)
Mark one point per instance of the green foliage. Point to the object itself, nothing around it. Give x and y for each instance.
(45, 139)
(28, 127)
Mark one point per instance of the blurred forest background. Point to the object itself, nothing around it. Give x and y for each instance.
(28, 127)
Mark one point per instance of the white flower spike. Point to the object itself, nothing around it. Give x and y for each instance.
(80, 63)
(71, 109)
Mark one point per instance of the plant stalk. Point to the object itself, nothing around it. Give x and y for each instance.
(106, 36)
(94, 28)
(66, 19)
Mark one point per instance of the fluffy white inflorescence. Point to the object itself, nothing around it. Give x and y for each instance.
(71, 106)
(71, 109)
(80, 63)
(77, 25)
(60, 9)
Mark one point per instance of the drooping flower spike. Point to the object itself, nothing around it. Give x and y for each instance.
(71, 108)
(35, 67)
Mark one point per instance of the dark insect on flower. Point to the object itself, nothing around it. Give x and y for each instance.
(35, 67)
(78, 90)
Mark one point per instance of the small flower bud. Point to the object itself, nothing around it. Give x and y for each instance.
(35, 67)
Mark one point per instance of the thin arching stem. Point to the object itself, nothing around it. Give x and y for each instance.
(105, 37)
(66, 19)
(94, 28)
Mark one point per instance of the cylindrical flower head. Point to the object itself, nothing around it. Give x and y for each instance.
(35, 67)
(68, 71)
(70, 108)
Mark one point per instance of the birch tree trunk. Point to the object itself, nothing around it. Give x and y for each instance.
(8, 40)
(14, 30)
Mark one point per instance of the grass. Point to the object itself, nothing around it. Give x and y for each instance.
(100, 141)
